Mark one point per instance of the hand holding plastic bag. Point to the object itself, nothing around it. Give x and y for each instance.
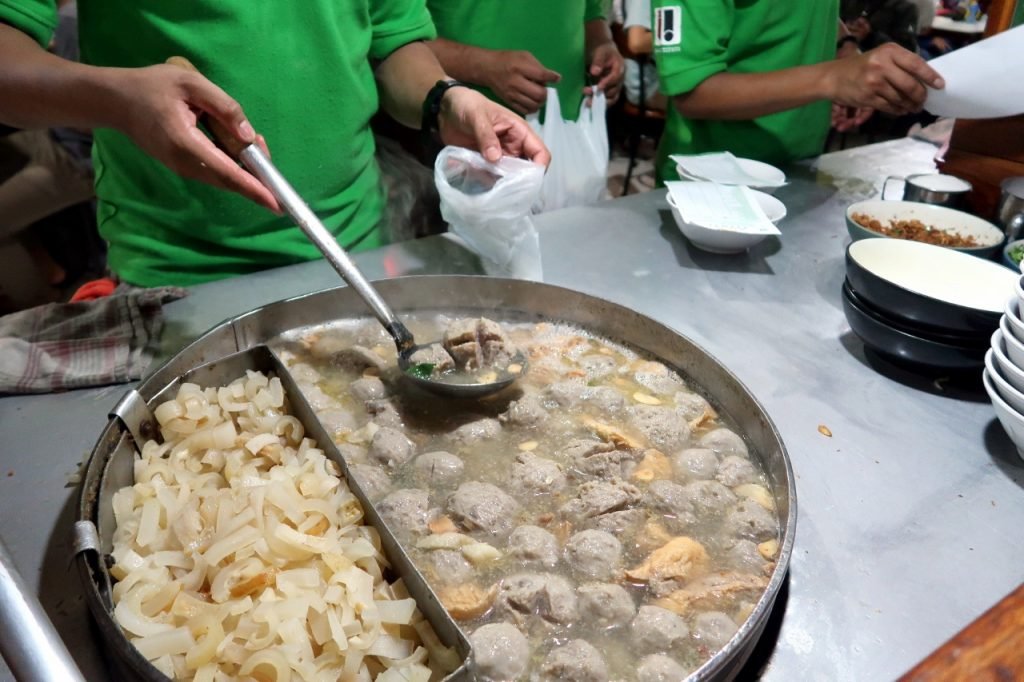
(488, 205)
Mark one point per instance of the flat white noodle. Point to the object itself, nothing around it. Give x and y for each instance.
(240, 553)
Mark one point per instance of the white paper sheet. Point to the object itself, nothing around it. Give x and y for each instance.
(720, 167)
(983, 80)
(720, 207)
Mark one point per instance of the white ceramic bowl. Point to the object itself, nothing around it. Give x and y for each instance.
(772, 177)
(1014, 346)
(1010, 371)
(1012, 315)
(1008, 393)
(1018, 287)
(987, 236)
(1012, 422)
(727, 241)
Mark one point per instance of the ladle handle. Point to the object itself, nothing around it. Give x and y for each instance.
(253, 158)
(28, 641)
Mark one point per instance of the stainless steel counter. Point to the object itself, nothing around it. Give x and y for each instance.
(909, 512)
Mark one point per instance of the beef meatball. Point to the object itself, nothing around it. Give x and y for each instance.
(567, 393)
(532, 475)
(449, 566)
(660, 668)
(374, 480)
(533, 545)
(744, 557)
(605, 605)
(724, 442)
(698, 464)
(476, 431)
(691, 406)
(435, 355)
(405, 511)
(714, 629)
(604, 399)
(384, 412)
(527, 411)
(618, 523)
(601, 497)
(597, 365)
(391, 448)
(596, 459)
(656, 630)
(500, 652)
(752, 521)
(661, 426)
(594, 554)
(672, 500)
(658, 378)
(485, 508)
(577, 661)
(525, 596)
(368, 388)
(358, 359)
(735, 470)
(440, 468)
(710, 498)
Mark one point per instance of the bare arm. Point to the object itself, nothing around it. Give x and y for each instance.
(514, 75)
(467, 118)
(639, 40)
(158, 107)
(887, 78)
(603, 59)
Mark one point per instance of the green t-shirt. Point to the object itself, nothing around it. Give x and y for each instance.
(301, 70)
(695, 39)
(551, 30)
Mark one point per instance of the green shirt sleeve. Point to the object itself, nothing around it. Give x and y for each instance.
(37, 18)
(397, 23)
(691, 41)
(595, 10)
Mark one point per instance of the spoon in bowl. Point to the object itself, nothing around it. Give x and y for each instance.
(465, 385)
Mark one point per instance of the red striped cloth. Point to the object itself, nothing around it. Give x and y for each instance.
(58, 346)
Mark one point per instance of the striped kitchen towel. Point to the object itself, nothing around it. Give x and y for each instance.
(62, 346)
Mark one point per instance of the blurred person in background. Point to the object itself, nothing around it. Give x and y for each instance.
(760, 79)
(876, 22)
(513, 51)
(636, 22)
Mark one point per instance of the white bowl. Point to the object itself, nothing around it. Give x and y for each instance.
(1014, 346)
(1010, 371)
(771, 177)
(727, 241)
(1018, 287)
(1008, 393)
(1013, 317)
(988, 237)
(1012, 422)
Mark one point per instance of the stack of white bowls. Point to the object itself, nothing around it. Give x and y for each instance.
(1004, 369)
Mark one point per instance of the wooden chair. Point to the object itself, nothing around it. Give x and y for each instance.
(639, 120)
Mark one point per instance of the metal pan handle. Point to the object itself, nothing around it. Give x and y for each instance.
(28, 641)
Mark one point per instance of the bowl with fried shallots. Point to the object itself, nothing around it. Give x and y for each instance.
(926, 223)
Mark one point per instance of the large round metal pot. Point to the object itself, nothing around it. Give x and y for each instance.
(493, 297)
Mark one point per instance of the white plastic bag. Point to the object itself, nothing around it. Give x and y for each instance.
(488, 205)
(579, 153)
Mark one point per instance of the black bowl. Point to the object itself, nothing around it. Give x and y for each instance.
(896, 342)
(923, 312)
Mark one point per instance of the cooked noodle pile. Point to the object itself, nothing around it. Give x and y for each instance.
(240, 554)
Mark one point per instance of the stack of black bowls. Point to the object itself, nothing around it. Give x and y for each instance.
(915, 328)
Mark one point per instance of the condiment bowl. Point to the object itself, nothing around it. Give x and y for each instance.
(987, 236)
(1012, 421)
(722, 241)
(1012, 316)
(1011, 372)
(1017, 245)
(1010, 394)
(927, 285)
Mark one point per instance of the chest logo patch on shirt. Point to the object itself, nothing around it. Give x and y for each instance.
(666, 26)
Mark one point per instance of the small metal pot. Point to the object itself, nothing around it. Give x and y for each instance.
(932, 188)
(1010, 214)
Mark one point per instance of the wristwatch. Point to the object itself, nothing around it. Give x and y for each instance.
(429, 125)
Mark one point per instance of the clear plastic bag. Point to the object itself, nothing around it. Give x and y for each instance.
(579, 153)
(488, 205)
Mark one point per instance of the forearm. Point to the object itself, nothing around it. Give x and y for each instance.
(639, 40)
(405, 78)
(745, 96)
(466, 63)
(596, 33)
(41, 90)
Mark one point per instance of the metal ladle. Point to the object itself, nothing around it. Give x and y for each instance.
(252, 157)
